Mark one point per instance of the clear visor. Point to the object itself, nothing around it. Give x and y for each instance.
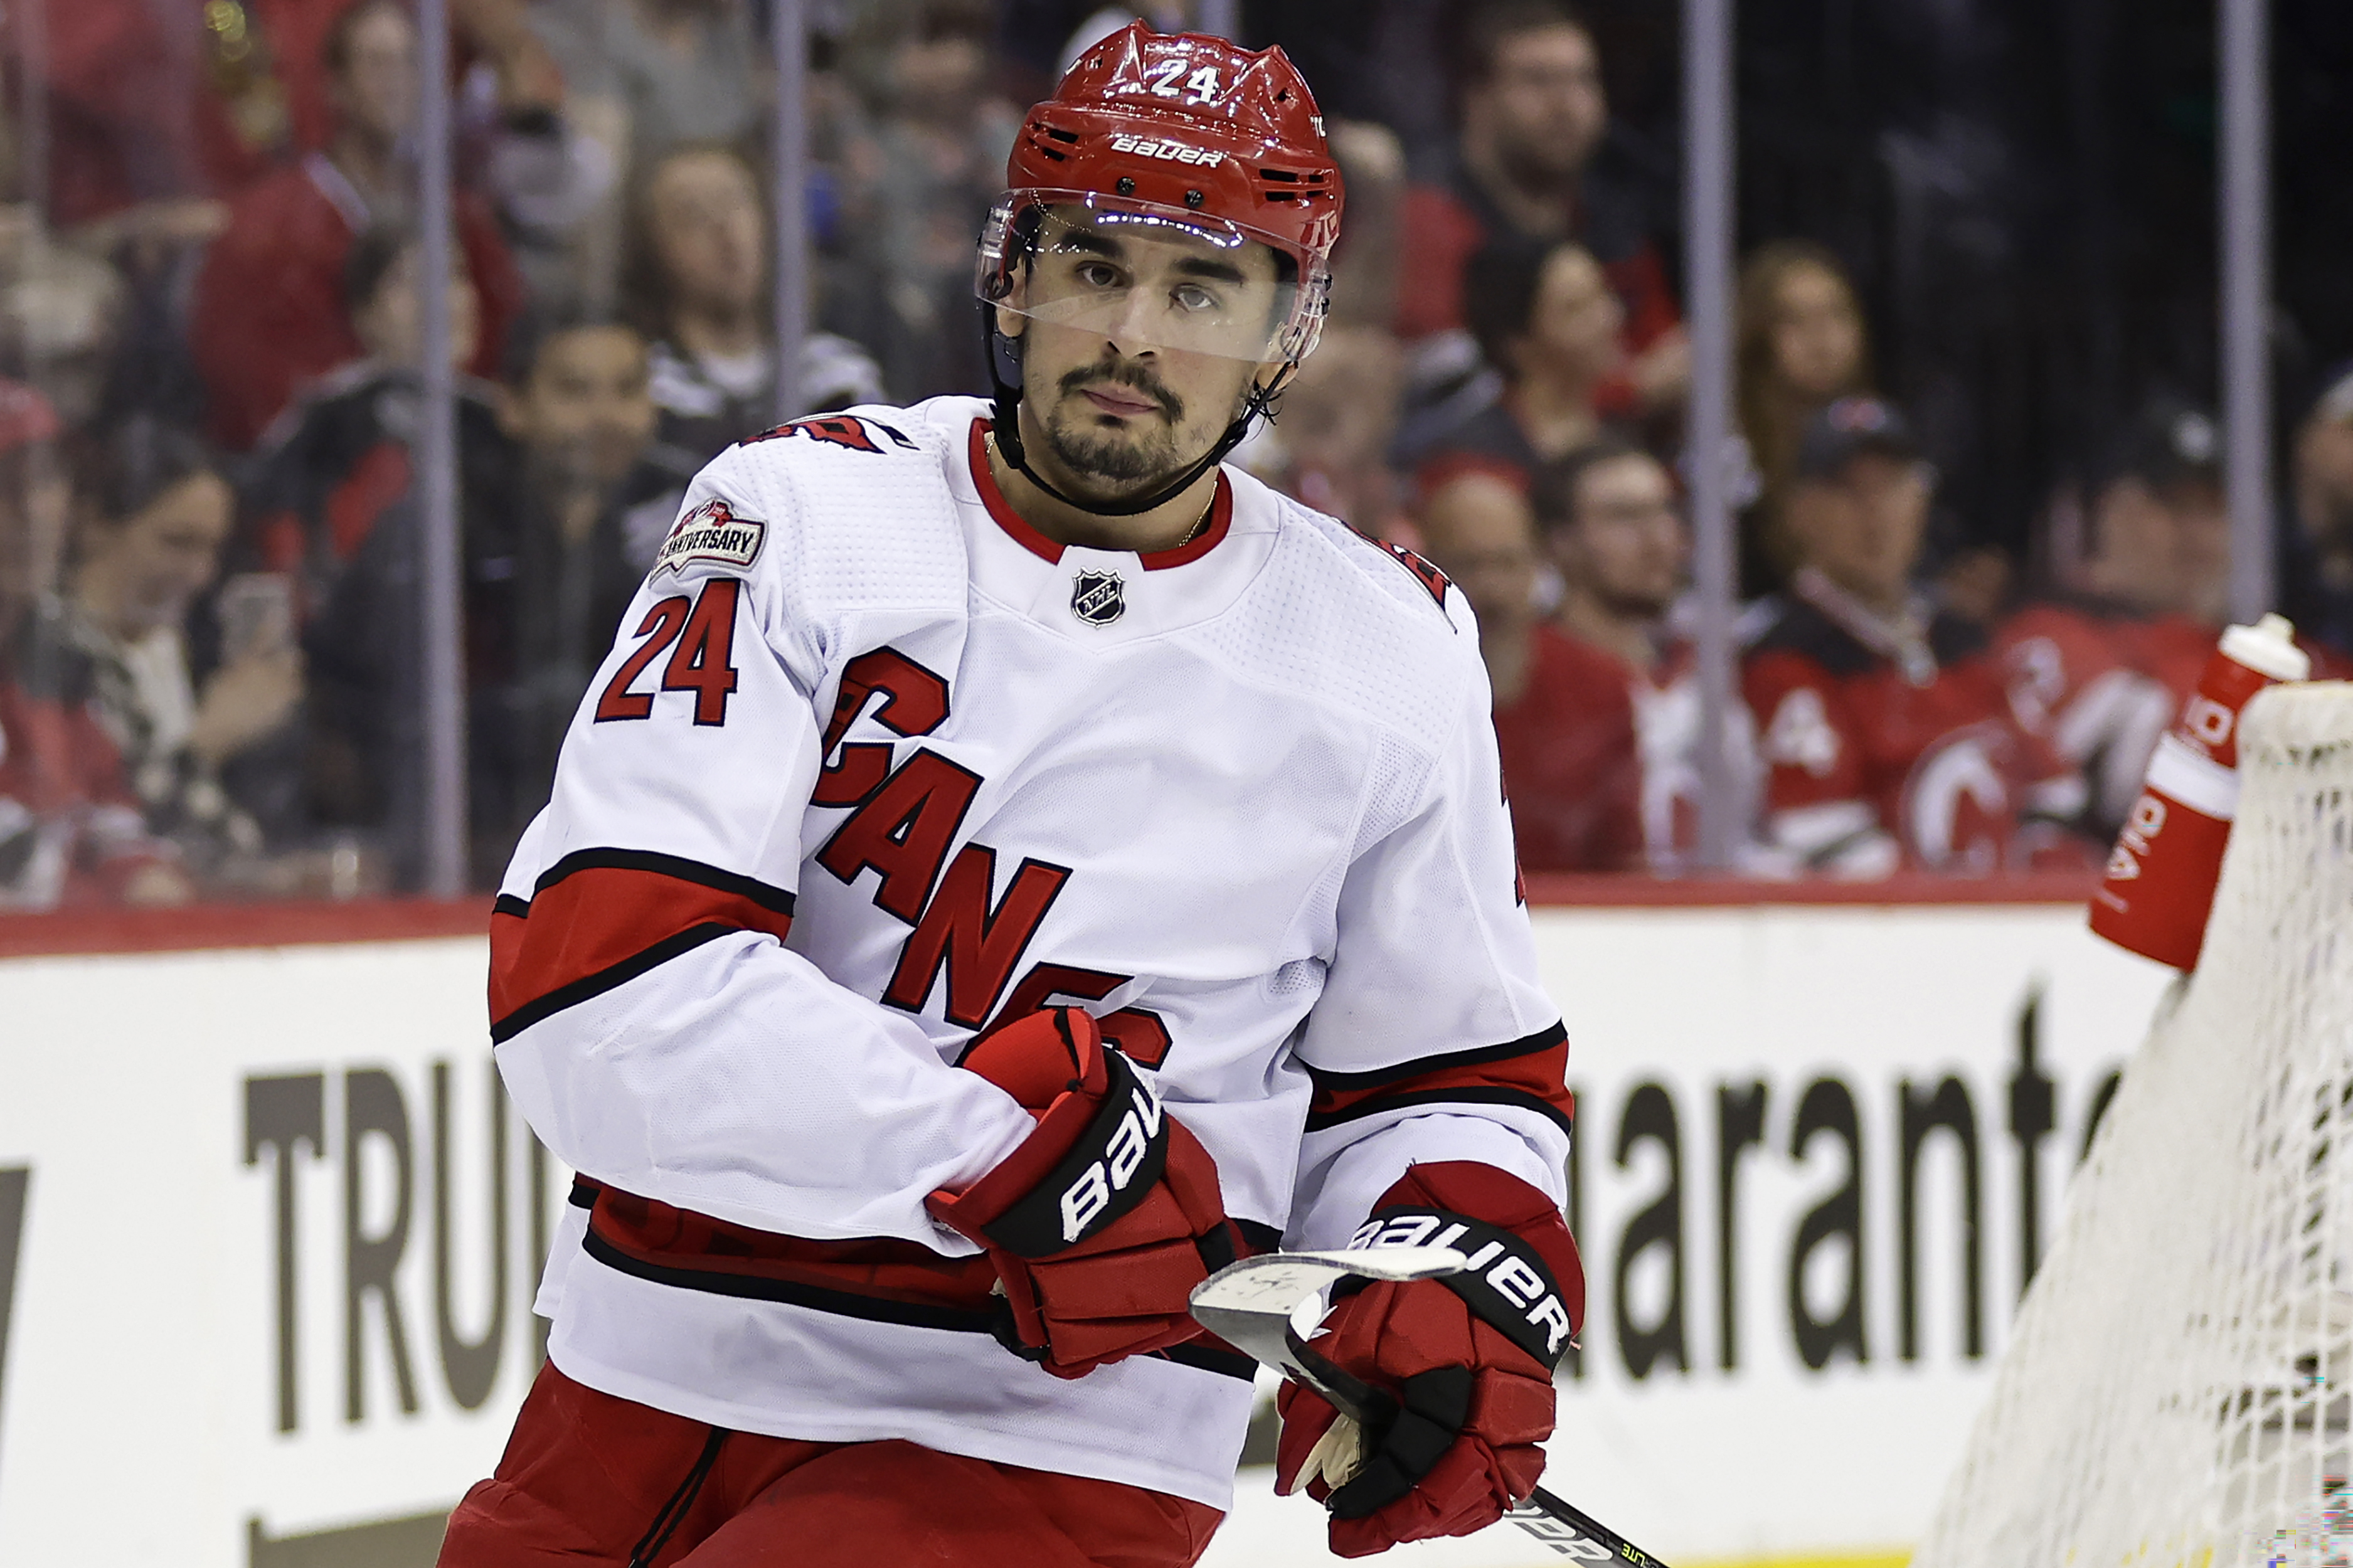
(1146, 277)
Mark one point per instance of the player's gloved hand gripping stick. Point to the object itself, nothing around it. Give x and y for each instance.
(1102, 1220)
(1453, 1448)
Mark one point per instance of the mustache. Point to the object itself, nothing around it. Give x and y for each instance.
(1127, 374)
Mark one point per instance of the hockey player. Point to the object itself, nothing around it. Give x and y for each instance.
(1009, 865)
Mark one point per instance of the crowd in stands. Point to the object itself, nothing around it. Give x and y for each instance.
(211, 346)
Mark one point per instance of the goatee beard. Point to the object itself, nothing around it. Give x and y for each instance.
(1121, 464)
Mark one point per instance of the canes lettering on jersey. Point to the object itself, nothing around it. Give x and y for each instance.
(902, 823)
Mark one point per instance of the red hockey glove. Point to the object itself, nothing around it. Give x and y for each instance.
(1469, 1359)
(1103, 1220)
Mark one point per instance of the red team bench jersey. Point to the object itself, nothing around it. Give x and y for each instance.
(874, 764)
(2102, 682)
(1882, 750)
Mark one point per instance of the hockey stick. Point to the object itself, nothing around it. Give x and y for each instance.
(1260, 1306)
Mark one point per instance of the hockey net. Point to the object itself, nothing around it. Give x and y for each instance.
(2176, 1389)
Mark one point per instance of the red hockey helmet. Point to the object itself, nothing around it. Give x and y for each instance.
(1179, 137)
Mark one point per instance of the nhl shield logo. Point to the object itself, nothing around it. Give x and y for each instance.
(1098, 598)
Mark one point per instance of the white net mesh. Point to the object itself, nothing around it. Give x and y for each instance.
(2176, 1390)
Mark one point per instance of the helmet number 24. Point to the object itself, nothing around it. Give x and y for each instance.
(1201, 87)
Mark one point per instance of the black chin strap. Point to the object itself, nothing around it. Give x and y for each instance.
(1005, 375)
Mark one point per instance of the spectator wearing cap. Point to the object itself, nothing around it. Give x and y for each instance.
(2102, 664)
(1563, 715)
(1883, 725)
(70, 831)
(1612, 526)
(269, 311)
(1548, 321)
(1534, 159)
(2318, 543)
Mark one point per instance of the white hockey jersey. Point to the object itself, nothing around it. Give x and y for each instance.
(875, 764)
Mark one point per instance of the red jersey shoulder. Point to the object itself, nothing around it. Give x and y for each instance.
(1433, 582)
(854, 431)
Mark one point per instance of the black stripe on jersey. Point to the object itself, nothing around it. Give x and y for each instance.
(672, 865)
(1262, 1237)
(508, 904)
(870, 1309)
(1467, 1095)
(1209, 1358)
(744, 1287)
(584, 1192)
(1527, 1044)
(606, 979)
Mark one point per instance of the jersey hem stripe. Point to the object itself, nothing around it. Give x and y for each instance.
(870, 1309)
(1318, 1121)
(1527, 1044)
(792, 1293)
(589, 986)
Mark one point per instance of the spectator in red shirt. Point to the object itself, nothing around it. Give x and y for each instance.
(269, 312)
(1531, 161)
(70, 831)
(2102, 666)
(1885, 729)
(1610, 521)
(1563, 718)
(1546, 319)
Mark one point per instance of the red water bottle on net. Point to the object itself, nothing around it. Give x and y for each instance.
(2159, 885)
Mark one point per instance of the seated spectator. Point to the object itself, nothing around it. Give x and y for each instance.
(70, 831)
(2318, 544)
(154, 111)
(696, 279)
(2102, 666)
(549, 565)
(1883, 724)
(1563, 718)
(928, 175)
(1546, 319)
(339, 458)
(1608, 517)
(154, 513)
(657, 75)
(269, 311)
(1802, 343)
(1533, 161)
(641, 79)
(1328, 444)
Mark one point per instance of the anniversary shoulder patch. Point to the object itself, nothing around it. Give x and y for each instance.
(711, 534)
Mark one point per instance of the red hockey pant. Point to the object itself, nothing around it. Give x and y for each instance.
(589, 1481)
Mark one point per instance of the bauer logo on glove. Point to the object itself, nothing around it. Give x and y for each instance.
(1505, 1282)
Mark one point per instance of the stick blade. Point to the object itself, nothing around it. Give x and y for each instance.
(1276, 1282)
